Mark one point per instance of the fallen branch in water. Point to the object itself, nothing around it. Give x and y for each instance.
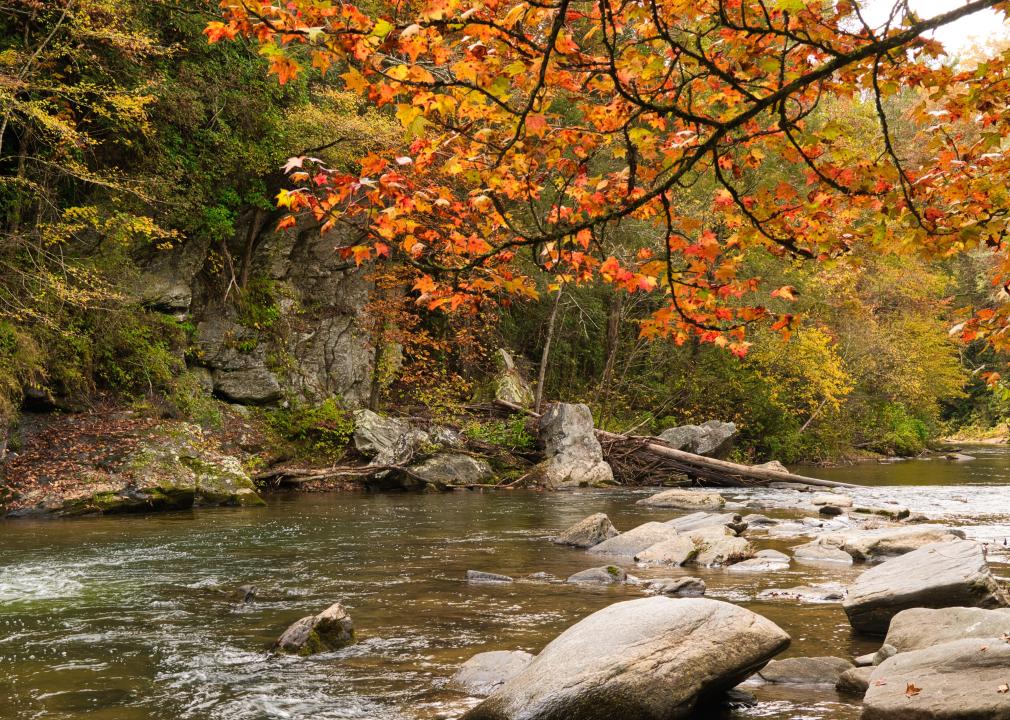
(653, 455)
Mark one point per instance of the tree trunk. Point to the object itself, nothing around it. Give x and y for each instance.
(545, 355)
(614, 312)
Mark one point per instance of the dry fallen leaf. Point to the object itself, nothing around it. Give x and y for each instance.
(878, 683)
(1004, 689)
(911, 690)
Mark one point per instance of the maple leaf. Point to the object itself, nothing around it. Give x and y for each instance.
(911, 690)
(786, 292)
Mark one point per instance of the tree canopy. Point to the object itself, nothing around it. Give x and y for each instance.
(536, 129)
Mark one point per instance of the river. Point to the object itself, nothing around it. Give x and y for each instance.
(133, 618)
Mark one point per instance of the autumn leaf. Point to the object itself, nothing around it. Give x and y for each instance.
(911, 690)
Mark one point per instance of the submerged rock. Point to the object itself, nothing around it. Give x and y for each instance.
(947, 574)
(647, 658)
(605, 575)
(713, 438)
(480, 577)
(683, 499)
(329, 630)
(759, 565)
(574, 456)
(485, 672)
(805, 670)
(829, 592)
(587, 532)
(959, 680)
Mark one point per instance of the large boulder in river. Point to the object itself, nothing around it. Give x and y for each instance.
(682, 499)
(587, 532)
(376, 434)
(485, 672)
(329, 630)
(652, 658)
(605, 575)
(713, 438)
(959, 680)
(918, 628)
(574, 455)
(948, 574)
(631, 543)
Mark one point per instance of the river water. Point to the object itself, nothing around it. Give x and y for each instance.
(133, 618)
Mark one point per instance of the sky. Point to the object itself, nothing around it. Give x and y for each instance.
(956, 37)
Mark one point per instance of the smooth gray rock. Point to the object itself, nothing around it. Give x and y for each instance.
(678, 587)
(649, 658)
(958, 680)
(947, 574)
(713, 438)
(329, 630)
(864, 660)
(480, 577)
(854, 681)
(883, 543)
(605, 575)
(758, 565)
(772, 465)
(816, 552)
(587, 532)
(673, 552)
(485, 672)
(450, 468)
(918, 628)
(830, 498)
(715, 551)
(631, 543)
(701, 520)
(685, 499)
(574, 456)
(805, 670)
(772, 555)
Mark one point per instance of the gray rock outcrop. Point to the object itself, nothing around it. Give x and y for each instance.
(959, 680)
(574, 456)
(647, 658)
(947, 574)
(713, 438)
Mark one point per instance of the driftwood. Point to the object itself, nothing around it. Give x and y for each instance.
(636, 458)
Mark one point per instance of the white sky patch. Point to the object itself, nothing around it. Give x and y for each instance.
(959, 37)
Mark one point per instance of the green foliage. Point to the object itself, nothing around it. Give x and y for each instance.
(510, 434)
(137, 353)
(901, 432)
(259, 304)
(322, 429)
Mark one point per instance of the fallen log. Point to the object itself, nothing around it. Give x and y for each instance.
(698, 467)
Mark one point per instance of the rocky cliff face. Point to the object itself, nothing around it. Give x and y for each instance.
(298, 330)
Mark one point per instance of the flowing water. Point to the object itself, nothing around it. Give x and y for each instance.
(134, 618)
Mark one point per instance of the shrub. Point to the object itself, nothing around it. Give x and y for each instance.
(509, 434)
(324, 428)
